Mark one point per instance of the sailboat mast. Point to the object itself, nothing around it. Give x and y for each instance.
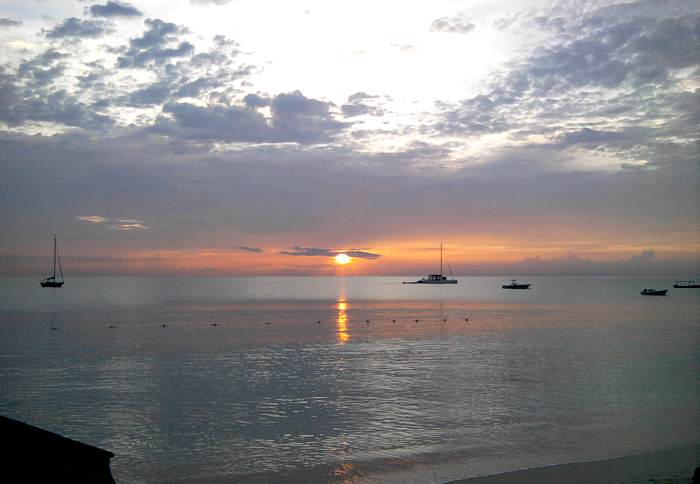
(440, 259)
(54, 256)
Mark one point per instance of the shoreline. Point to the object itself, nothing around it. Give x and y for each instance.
(672, 466)
(666, 466)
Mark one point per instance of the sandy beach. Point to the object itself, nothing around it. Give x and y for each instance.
(668, 466)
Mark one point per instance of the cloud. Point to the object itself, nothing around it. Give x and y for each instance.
(157, 45)
(73, 27)
(249, 249)
(607, 82)
(294, 118)
(645, 264)
(316, 252)
(361, 254)
(256, 101)
(9, 22)
(114, 9)
(96, 219)
(128, 225)
(458, 24)
(122, 225)
(31, 94)
(361, 103)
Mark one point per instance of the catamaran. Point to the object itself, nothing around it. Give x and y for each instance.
(436, 278)
(51, 281)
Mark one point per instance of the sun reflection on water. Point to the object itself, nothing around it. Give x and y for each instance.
(342, 322)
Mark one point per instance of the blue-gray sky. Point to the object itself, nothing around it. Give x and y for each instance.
(241, 137)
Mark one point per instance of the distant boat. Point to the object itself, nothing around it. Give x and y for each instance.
(654, 292)
(686, 285)
(516, 285)
(436, 278)
(51, 281)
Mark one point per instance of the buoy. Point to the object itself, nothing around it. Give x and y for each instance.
(267, 323)
(393, 320)
(466, 319)
(318, 322)
(163, 325)
(416, 320)
(366, 320)
(444, 320)
(112, 327)
(53, 329)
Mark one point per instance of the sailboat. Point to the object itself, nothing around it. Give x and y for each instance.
(51, 281)
(436, 278)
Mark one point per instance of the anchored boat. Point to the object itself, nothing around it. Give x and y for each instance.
(436, 278)
(51, 280)
(516, 285)
(686, 285)
(654, 292)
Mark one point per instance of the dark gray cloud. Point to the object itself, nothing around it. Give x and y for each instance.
(314, 252)
(115, 9)
(74, 27)
(458, 24)
(157, 45)
(295, 118)
(256, 101)
(249, 249)
(41, 70)
(9, 22)
(361, 103)
(610, 82)
(33, 93)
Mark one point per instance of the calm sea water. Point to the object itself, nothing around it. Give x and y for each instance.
(352, 377)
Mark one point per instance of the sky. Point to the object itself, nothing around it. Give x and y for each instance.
(215, 137)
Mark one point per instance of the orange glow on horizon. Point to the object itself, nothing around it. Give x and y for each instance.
(398, 257)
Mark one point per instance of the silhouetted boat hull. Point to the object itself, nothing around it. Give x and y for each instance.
(434, 279)
(686, 285)
(654, 292)
(51, 284)
(515, 285)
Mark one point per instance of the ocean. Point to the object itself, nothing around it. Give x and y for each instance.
(351, 378)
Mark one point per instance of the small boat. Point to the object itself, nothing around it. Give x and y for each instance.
(686, 285)
(436, 278)
(516, 285)
(654, 292)
(51, 281)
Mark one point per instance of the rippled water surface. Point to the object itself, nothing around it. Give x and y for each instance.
(340, 378)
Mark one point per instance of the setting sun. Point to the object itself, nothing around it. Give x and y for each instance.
(342, 259)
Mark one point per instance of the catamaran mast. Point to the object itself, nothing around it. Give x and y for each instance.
(54, 256)
(440, 259)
